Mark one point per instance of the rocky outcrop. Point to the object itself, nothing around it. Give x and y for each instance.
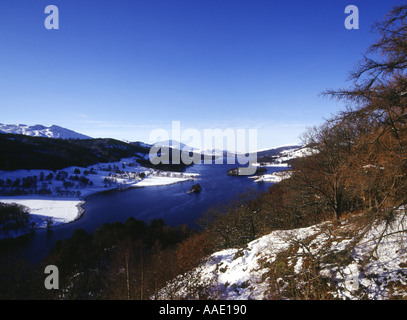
(196, 188)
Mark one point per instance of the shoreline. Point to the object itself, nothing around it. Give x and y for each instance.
(81, 210)
(60, 209)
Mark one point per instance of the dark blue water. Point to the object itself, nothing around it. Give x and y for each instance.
(171, 203)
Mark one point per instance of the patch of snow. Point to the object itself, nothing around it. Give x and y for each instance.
(40, 208)
(274, 177)
(272, 165)
(162, 181)
(295, 153)
(241, 274)
(42, 131)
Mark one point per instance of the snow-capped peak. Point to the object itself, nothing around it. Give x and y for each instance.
(39, 130)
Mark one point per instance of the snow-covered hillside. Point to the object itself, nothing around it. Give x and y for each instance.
(332, 260)
(280, 161)
(295, 153)
(42, 131)
(285, 155)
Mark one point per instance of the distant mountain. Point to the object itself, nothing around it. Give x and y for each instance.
(171, 144)
(140, 144)
(203, 152)
(38, 130)
(264, 153)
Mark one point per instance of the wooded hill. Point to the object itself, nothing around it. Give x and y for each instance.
(27, 152)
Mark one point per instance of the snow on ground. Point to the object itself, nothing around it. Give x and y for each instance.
(281, 162)
(235, 274)
(277, 147)
(375, 267)
(41, 131)
(63, 204)
(295, 153)
(40, 208)
(272, 165)
(287, 155)
(274, 177)
(161, 181)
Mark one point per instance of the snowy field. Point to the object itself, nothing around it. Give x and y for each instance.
(274, 177)
(41, 208)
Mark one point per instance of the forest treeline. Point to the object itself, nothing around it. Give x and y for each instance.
(13, 217)
(27, 152)
(358, 168)
(129, 260)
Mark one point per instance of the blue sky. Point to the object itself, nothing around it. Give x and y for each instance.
(123, 68)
